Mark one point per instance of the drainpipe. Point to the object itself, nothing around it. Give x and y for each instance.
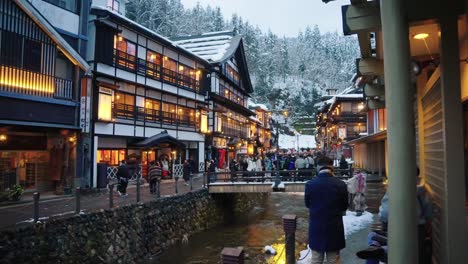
(401, 134)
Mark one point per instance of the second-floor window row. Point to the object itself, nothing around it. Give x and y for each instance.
(232, 95)
(156, 66)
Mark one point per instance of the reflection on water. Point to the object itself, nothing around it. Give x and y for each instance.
(262, 227)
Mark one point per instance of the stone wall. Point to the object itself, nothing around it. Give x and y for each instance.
(128, 234)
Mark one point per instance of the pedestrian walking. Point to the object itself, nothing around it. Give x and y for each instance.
(357, 189)
(327, 199)
(187, 171)
(123, 176)
(212, 171)
(165, 167)
(233, 167)
(154, 176)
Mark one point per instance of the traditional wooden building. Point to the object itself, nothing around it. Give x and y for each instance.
(229, 122)
(260, 128)
(40, 79)
(424, 111)
(341, 119)
(144, 87)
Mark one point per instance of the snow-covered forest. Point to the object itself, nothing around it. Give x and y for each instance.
(287, 73)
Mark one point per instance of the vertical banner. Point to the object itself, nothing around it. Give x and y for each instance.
(342, 131)
(85, 104)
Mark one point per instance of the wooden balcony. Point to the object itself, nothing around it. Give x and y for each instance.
(21, 81)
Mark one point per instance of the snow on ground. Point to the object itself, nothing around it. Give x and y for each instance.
(290, 142)
(352, 224)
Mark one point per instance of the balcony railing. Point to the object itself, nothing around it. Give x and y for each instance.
(350, 117)
(125, 111)
(21, 81)
(234, 132)
(124, 60)
(154, 71)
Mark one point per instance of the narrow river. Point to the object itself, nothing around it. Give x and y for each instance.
(262, 227)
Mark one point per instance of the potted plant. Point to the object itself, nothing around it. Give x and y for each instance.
(15, 192)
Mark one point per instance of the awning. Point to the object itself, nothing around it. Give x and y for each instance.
(158, 139)
(371, 138)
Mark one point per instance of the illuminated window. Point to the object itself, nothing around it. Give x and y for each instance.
(154, 63)
(125, 52)
(204, 122)
(124, 105)
(232, 74)
(188, 75)
(382, 119)
(105, 104)
(111, 157)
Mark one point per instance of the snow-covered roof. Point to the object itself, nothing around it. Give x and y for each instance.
(213, 46)
(253, 118)
(251, 104)
(148, 31)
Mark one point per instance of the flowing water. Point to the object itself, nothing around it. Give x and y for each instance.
(263, 226)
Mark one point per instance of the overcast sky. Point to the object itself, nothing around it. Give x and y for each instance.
(283, 17)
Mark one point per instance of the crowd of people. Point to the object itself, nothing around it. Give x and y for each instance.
(157, 170)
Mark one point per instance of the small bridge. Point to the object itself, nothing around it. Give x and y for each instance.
(264, 181)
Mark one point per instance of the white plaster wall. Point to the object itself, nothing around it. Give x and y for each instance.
(103, 68)
(201, 152)
(142, 40)
(149, 132)
(124, 130)
(191, 136)
(126, 75)
(170, 88)
(130, 35)
(187, 61)
(141, 52)
(58, 17)
(139, 131)
(153, 83)
(154, 46)
(186, 93)
(104, 128)
(171, 53)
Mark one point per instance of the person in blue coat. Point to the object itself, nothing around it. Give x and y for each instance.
(327, 200)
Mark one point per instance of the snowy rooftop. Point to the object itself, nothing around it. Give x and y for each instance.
(251, 104)
(212, 46)
(143, 28)
(253, 118)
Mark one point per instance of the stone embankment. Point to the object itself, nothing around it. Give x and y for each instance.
(128, 234)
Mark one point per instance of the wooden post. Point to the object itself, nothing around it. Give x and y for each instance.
(399, 94)
(191, 182)
(232, 255)
(111, 196)
(138, 196)
(36, 197)
(77, 200)
(289, 226)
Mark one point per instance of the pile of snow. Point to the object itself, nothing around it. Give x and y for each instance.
(290, 142)
(352, 224)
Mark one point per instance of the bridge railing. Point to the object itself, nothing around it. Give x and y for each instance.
(301, 175)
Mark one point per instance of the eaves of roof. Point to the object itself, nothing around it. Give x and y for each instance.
(104, 12)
